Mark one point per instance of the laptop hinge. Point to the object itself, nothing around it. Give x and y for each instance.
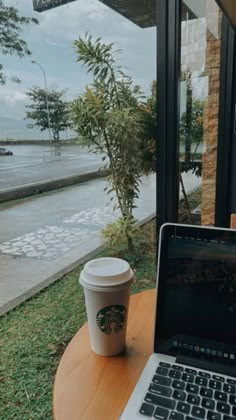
(204, 364)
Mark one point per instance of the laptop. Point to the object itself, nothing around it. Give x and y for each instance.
(192, 371)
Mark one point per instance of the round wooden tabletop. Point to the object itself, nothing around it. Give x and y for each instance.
(88, 386)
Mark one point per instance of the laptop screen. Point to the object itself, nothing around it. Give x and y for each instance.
(196, 303)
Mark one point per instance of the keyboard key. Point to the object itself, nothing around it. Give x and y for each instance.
(231, 381)
(179, 395)
(193, 371)
(174, 374)
(201, 381)
(229, 388)
(147, 410)
(161, 413)
(218, 378)
(210, 404)
(205, 392)
(193, 399)
(176, 416)
(223, 408)
(229, 418)
(187, 377)
(220, 396)
(198, 412)
(204, 374)
(234, 411)
(215, 384)
(177, 367)
(157, 400)
(194, 389)
(183, 407)
(160, 390)
(211, 415)
(161, 380)
(178, 384)
(162, 371)
(163, 364)
(190, 418)
(232, 399)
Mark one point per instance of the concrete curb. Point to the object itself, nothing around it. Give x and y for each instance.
(49, 185)
(30, 293)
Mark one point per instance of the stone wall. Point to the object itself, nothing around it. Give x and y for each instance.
(210, 128)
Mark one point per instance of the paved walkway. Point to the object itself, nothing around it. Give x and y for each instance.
(45, 237)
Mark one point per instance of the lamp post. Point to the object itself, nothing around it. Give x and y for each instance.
(46, 94)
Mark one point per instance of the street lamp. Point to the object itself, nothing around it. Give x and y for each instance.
(46, 94)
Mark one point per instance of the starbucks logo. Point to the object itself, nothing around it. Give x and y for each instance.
(111, 318)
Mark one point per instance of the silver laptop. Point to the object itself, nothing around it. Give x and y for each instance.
(192, 371)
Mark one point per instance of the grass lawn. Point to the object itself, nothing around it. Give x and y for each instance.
(35, 334)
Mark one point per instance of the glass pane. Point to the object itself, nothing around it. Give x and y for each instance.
(199, 100)
(41, 147)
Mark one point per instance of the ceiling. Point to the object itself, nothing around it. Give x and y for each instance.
(142, 13)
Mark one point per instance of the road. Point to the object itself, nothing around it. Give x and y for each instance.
(34, 163)
(45, 236)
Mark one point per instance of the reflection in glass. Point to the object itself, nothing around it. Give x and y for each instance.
(199, 91)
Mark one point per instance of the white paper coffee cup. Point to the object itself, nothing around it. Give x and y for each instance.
(106, 283)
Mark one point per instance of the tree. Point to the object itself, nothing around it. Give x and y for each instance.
(148, 141)
(191, 133)
(10, 41)
(191, 127)
(107, 117)
(57, 114)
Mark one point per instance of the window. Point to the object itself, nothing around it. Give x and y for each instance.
(199, 104)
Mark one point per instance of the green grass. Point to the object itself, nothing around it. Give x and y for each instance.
(34, 335)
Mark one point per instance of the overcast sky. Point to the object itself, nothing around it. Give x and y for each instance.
(51, 43)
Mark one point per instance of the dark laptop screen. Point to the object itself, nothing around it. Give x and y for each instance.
(196, 304)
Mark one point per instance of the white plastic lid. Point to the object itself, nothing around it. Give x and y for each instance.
(106, 272)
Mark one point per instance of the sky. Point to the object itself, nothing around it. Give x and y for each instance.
(51, 44)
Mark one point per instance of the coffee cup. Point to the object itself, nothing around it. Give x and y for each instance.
(106, 283)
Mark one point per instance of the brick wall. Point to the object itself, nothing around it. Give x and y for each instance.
(210, 128)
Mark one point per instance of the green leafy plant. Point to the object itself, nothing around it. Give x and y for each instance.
(119, 231)
(148, 142)
(10, 41)
(108, 119)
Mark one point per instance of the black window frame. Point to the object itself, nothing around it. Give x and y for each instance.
(168, 77)
(168, 106)
(226, 154)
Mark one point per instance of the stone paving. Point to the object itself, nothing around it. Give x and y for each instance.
(50, 242)
(93, 217)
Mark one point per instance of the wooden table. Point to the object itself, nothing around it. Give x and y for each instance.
(88, 386)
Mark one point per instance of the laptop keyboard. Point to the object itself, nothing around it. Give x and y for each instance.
(181, 393)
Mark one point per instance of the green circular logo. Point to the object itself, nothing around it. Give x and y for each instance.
(111, 319)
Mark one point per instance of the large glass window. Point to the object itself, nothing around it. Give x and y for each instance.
(41, 138)
(199, 100)
(53, 69)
